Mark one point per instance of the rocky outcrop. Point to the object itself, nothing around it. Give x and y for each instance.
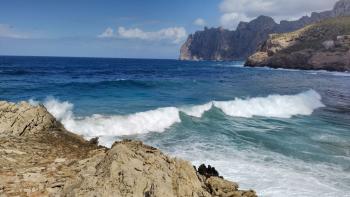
(24, 119)
(222, 44)
(321, 46)
(38, 157)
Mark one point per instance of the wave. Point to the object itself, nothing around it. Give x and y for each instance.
(158, 120)
(198, 110)
(334, 73)
(275, 106)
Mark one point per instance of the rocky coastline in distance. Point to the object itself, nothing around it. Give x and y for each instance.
(252, 38)
(321, 46)
(39, 157)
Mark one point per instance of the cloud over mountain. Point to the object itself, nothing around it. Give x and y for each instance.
(234, 11)
(199, 22)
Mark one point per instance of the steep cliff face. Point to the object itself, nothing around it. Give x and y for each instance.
(199, 46)
(324, 45)
(221, 44)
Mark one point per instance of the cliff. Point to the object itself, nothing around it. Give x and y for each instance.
(221, 44)
(39, 157)
(321, 46)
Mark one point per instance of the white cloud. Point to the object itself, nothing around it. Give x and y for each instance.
(200, 22)
(9, 32)
(231, 20)
(234, 11)
(173, 34)
(108, 33)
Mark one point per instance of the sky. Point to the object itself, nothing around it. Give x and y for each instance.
(128, 28)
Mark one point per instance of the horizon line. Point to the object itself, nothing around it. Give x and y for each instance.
(92, 57)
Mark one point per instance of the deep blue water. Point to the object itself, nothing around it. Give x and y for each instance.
(281, 132)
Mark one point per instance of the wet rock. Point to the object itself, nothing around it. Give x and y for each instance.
(207, 171)
(94, 141)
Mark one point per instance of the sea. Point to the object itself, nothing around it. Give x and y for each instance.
(279, 132)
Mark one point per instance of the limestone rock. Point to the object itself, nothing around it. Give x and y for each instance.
(133, 169)
(24, 119)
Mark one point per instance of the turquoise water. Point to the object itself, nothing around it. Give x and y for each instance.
(280, 132)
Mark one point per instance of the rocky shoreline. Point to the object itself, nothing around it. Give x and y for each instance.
(39, 157)
(320, 46)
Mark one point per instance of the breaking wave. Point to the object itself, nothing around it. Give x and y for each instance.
(158, 120)
(275, 106)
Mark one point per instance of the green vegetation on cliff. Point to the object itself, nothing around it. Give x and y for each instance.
(323, 46)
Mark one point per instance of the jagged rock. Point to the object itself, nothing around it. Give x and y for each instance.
(220, 187)
(133, 169)
(221, 44)
(47, 160)
(321, 46)
(24, 119)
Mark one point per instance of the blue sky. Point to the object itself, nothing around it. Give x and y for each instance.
(125, 28)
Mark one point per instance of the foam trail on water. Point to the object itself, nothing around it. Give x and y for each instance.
(277, 106)
(158, 120)
(270, 174)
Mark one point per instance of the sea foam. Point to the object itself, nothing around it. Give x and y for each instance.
(275, 106)
(158, 120)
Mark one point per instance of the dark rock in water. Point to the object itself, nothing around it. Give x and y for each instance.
(222, 44)
(94, 141)
(207, 171)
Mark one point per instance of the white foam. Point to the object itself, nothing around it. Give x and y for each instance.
(270, 174)
(277, 106)
(197, 110)
(62, 111)
(158, 120)
(98, 125)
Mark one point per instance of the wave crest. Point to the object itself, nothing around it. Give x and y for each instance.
(158, 120)
(275, 106)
